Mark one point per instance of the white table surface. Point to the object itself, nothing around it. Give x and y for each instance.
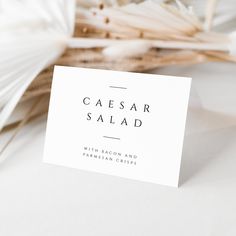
(42, 199)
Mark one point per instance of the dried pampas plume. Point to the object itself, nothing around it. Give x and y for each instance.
(111, 34)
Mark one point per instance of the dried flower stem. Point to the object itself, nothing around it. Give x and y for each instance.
(101, 43)
(210, 10)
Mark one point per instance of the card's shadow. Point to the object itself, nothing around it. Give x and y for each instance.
(212, 134)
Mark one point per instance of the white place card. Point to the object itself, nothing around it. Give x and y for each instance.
(118, 123)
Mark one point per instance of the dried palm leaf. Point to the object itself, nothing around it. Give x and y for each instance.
(111, 34)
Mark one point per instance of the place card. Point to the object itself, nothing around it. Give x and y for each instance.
(124, 124)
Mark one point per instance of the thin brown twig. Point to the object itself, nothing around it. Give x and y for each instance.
(21, 124)
(13, 125)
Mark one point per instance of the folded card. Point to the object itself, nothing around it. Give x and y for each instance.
(118, 123)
